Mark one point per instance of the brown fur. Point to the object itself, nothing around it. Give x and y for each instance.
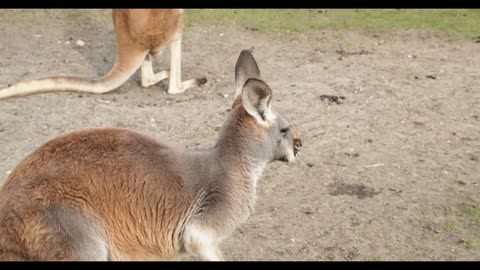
(237, 102)
(104, 161)
(139, 28)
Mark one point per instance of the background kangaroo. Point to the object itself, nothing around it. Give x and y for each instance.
(114, 194)
(140, 34)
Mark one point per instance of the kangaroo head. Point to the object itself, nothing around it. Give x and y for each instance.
(275, 136)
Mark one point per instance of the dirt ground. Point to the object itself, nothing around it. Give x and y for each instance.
(390, 173)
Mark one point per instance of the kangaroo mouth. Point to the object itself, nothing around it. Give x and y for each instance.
(290, 157)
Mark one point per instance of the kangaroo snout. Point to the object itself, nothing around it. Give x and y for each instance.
(297, 144)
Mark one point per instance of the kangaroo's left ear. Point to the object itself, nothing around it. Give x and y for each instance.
(245, 68)
(256, 99)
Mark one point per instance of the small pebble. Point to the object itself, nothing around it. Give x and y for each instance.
(80, 43)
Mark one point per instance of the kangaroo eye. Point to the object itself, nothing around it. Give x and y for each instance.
(284, 130)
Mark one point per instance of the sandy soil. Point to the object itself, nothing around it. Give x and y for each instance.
(390, 173)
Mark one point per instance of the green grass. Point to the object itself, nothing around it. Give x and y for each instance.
(450, 225)
(449, 21)
(390, 91)
(429, 221)
(468, 244)
(462, 21)
(465, 224)
(374, 258)
(473, 213)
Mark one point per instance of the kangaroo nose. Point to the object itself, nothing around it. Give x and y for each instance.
(297, 143)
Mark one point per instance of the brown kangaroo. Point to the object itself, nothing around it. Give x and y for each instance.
(140, 34)
(115, 194)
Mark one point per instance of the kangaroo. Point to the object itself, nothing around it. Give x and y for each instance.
(115, 194)
(140, 34)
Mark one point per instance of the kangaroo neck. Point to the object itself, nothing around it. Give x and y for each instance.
(242, 148)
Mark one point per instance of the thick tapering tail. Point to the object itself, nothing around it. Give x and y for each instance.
(118, 75)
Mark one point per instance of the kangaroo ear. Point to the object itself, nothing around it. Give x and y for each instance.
(245, 69)
(256, 99)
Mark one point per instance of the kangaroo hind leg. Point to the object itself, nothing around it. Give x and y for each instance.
(176, 85)
(68, 235)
